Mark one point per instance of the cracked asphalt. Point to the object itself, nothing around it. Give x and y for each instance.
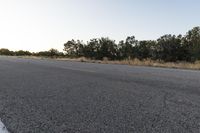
(48, 96)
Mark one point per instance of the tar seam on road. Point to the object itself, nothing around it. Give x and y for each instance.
(81, 70)
(3, 129)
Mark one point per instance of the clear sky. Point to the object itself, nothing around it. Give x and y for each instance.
(43, 24)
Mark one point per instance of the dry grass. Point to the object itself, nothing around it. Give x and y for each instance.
(133, 62)
(147, 62)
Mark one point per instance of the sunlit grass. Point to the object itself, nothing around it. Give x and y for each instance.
(146, 62)
(132, 62)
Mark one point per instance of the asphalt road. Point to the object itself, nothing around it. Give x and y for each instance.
(46, 96)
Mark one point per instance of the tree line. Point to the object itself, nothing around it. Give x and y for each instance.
(50, 53)
(169, 48)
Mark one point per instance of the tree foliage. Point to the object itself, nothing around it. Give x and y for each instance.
(51, 53)
(192, 41)
(169, 48)
(4, 51)
(22, 53)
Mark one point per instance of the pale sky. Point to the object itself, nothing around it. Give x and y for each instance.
(37, 25)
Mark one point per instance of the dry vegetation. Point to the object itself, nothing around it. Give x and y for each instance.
(136, 62)
(132, 62)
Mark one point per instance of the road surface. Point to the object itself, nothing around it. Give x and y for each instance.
(48, 96)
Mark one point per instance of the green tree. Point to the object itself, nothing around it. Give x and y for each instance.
(170, 48)
(108, 49)
(23, 53)
(145, 49)
(53, 52)
(74, 48)
(91, 50)
(126, 48)
(4, 51)
(192, 41)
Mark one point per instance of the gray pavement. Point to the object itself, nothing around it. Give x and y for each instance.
(48, 96)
